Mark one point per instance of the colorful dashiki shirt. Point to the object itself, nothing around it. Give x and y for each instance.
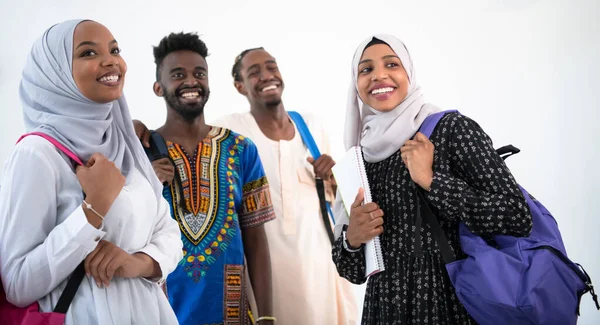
(218, 190)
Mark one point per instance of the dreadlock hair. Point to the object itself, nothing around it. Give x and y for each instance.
(237, 65)
(177, 42)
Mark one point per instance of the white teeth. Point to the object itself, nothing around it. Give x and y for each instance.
(382, 90)
(271, 87)
(190, 94)
(112, 78)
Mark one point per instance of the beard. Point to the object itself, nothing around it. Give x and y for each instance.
(273, 103)
(189, 112)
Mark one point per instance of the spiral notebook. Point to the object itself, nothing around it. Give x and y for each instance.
(350, 175)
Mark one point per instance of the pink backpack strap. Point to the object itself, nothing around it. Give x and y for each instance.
(57, 144)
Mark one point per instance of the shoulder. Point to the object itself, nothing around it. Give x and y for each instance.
(236, 139)
(456, 129)
(35, 154)
(40, 148)
(233, 121)
(311, 120)
(456, 123)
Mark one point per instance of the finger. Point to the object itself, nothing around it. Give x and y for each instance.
(326, 165)
(93, 266)
(369, 207)
(163, 162)
(420, 137)
(311, 160)
(410, 143)
(80, 170)
(146, 138)
(411, 147)
(323, 161)
(138, 128)
(94, 159)
(359, 198)
(86, 262)
(376, 223)
(113, 266)
(377, 231)
(102, 268)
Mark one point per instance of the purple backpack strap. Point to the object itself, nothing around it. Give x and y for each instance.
(57, 144)
(431, 122)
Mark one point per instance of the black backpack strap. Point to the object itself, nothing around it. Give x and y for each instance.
(436, 230)
(158, 147)
(507, 151)
(69, 293)
(323, 206)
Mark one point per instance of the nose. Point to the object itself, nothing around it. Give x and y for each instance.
(110, 61)
(379, 74)
(190, 80)
(266, 75)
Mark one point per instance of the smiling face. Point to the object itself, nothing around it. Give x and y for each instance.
(382, 81)
(261, 81)
(184, 83)
(98, 68)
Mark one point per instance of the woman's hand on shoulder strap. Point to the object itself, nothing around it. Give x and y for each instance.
(417, 155)
(101, 181)
(366, 221)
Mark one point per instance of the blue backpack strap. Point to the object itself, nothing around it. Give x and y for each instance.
(431, 122)
(309, 141)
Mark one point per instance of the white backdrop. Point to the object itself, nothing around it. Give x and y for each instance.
(526, 70)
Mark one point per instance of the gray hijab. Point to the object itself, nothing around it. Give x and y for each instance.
(381, 134)
(52, 104)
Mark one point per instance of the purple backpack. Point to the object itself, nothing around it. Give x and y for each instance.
(522, 280)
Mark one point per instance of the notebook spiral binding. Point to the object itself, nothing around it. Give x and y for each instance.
(376, 242)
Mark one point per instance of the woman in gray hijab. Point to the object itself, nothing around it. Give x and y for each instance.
(72, 91)
(456, 169)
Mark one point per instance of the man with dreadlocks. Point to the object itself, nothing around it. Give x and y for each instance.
(219, 196)
(306, 286)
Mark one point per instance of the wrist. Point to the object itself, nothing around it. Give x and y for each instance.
(349, 245)
(426, 183)
(100, 205)
(145, 266)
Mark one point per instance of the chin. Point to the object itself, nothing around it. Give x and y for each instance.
(383, 108)
(272, 103)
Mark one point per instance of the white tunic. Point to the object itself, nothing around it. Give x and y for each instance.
(44, 235)
(306, 286)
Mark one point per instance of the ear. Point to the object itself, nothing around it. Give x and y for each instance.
(158, 90)
(240, 87)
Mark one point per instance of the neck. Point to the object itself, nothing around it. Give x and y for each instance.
(273, 117)
(179, 128)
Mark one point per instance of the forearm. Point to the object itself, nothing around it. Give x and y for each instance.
(256, 248)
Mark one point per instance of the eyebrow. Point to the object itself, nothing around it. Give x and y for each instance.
(257, 64)
(384, 57)
(182, 69)
(94, 44)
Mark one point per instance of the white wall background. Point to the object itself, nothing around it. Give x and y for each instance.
(526, 70)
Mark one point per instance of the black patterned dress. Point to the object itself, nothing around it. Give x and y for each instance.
(472, 184)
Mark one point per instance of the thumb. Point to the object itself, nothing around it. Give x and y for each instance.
(80, 170)
(359, 198)
(311, 160)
